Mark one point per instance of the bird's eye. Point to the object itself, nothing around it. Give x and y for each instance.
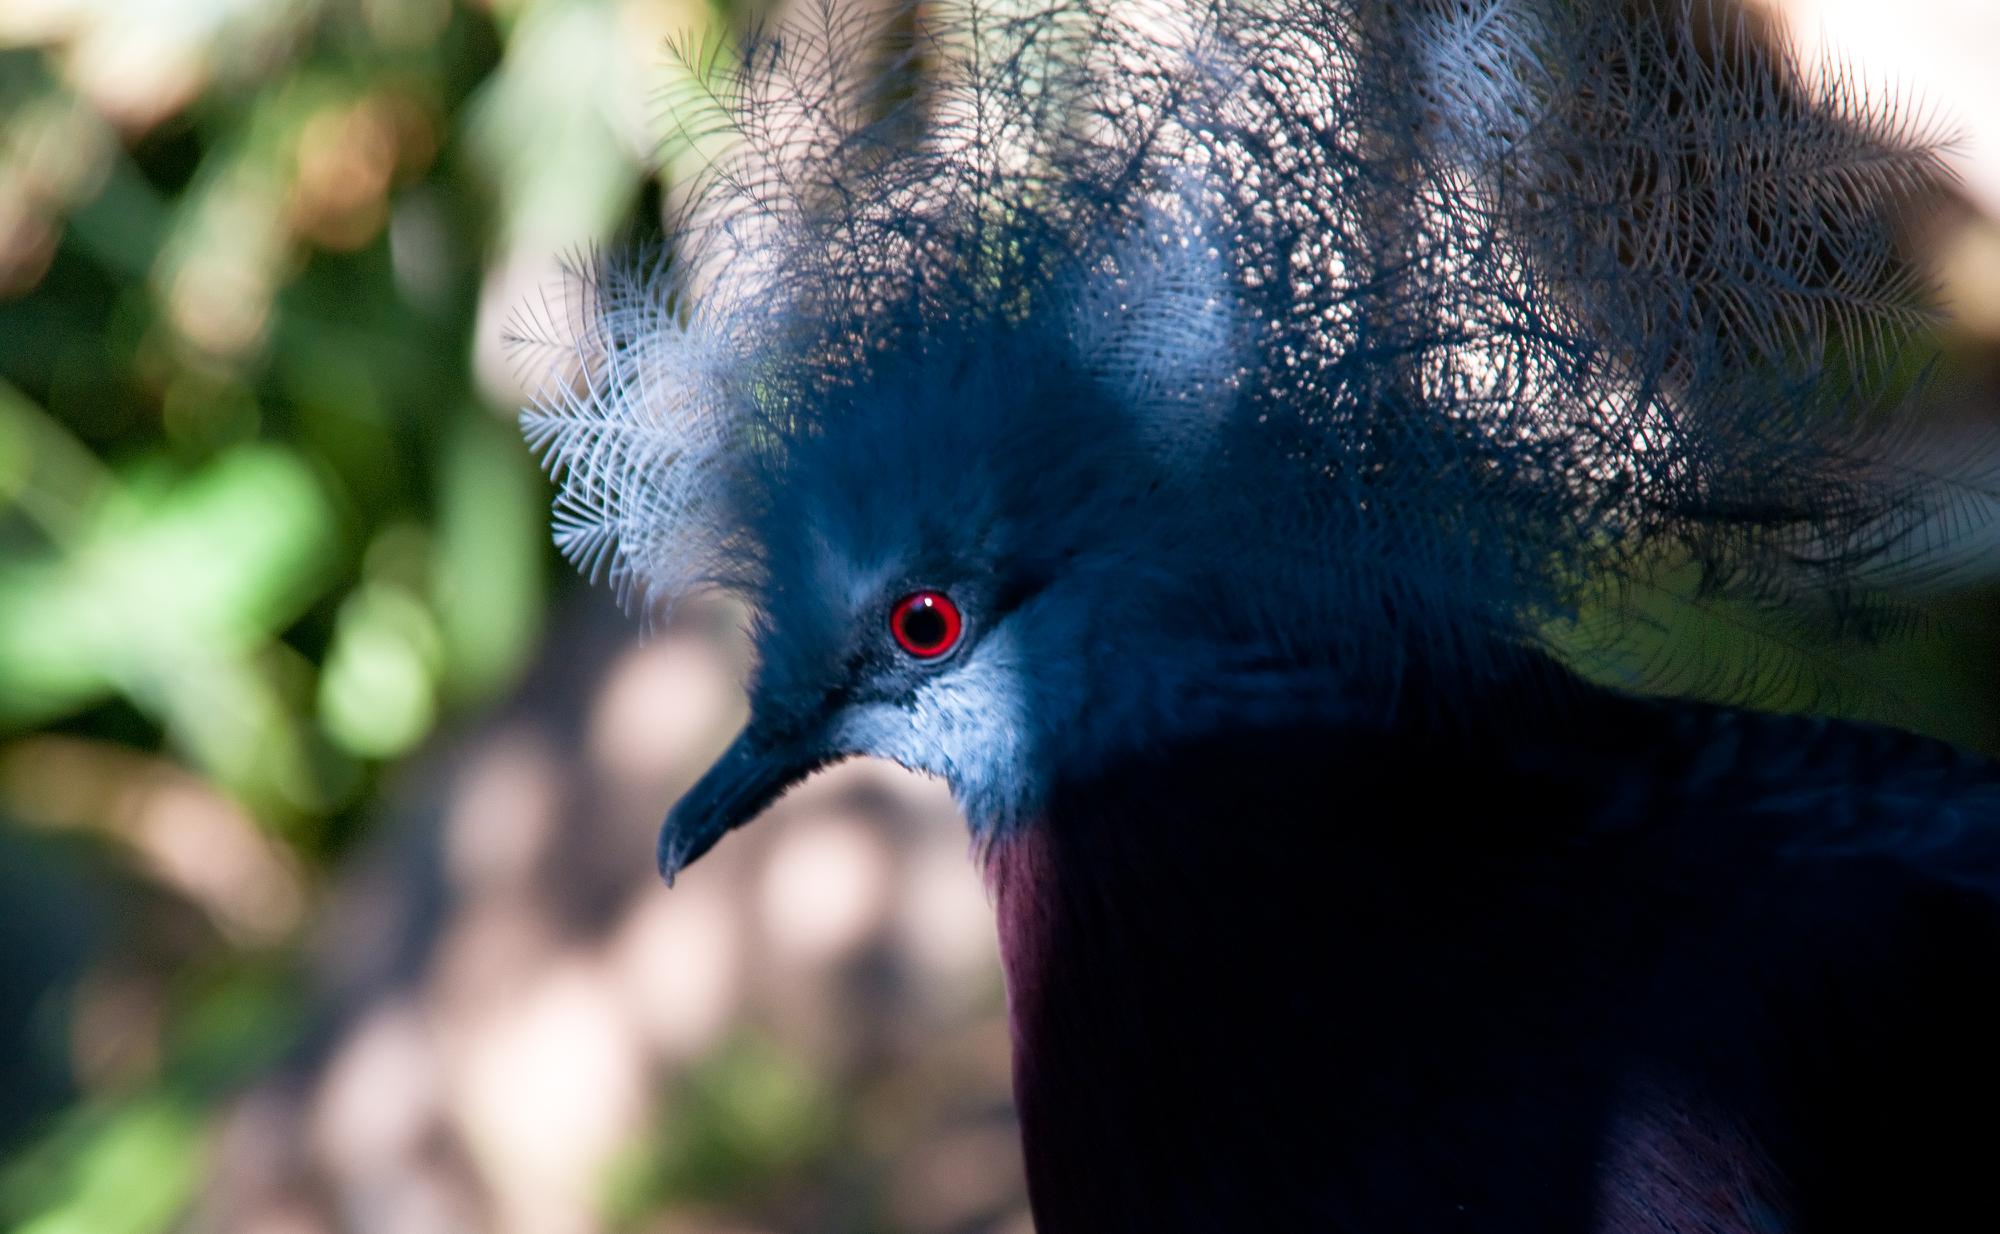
(926, 624)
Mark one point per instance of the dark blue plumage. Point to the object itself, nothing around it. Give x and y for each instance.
(1269, 403)
(1565, 962)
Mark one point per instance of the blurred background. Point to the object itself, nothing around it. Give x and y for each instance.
(327, 794)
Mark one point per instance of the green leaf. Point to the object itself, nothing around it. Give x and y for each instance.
(488, 579)
(170, 576)
(128, 1170)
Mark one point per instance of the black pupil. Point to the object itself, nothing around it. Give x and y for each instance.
(923, 625)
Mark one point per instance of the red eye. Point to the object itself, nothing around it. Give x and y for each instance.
(926, 624)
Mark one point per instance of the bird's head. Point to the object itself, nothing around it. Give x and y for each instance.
(1096, 379)
(987, 574)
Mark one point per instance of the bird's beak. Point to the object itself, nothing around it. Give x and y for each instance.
(749, 776)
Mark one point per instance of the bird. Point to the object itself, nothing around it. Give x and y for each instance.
(1237, 446)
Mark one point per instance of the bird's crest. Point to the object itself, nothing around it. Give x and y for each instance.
(1409, 324)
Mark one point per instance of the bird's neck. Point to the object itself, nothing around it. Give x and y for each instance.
(1180, 938)
(1263, 981)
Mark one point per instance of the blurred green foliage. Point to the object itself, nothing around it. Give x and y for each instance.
(739, 1126)
(241, 433)
(265, 520)
(129, 1163)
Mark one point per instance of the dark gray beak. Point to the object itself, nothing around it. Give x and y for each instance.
(750, 775)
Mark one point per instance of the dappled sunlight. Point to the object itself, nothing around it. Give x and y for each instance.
(679, 960)
(1969, 276)
(380, 1094)
(179, 828)
(505, 818)
(1932, 58)
(524, 1048)
(328, 799)
(667, 709)
(546, 1086)
(823, 892)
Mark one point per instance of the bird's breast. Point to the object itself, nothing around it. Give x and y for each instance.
(1235, 1005)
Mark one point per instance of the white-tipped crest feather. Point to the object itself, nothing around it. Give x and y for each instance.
(1394, 330)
